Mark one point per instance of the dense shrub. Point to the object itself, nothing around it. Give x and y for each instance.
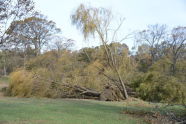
(49, 74)
(37, 83)
(160, 88)
(21, 83)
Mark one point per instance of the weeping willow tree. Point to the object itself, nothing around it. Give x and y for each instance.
(96, 22)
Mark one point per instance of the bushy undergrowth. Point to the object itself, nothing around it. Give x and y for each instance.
(53, 74)
(54, 78)
(21, 83)
(156, 87)
(37, 83)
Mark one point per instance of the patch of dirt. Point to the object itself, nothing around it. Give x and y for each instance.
(3, 122)
(152, 118)
(25, 122)
(158, 119)
(2, 85)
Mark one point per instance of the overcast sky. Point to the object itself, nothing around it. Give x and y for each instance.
(138, 14)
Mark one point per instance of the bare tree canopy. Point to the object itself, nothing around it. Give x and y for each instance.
(153, 36)
(177, 45)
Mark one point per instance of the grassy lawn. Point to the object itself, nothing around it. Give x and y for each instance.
(62, 111)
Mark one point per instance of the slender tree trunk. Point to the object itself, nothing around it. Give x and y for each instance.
(4, 68)
(173, 66)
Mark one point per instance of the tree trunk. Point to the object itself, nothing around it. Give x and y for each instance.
(173, 66)
(4, 68)
(124, 92)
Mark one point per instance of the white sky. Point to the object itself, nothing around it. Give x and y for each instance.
(138, 14)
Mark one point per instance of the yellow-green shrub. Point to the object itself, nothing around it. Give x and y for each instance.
(160, 88)
(21, 83)
(37, 83)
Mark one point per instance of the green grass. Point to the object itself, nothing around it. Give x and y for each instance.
(71, 111)
(63, 111)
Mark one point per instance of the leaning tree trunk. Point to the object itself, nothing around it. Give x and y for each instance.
(123, 86)
(124, 92)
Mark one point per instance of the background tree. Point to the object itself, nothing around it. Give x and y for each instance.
(10, 11)
(34, 32)
(177, 45)
(153, 36)
(60, 43)
(143, 58)
(10, 60)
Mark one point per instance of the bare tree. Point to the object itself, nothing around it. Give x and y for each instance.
(61, 43)
(153, 36)
(96, 22)
(177, 45)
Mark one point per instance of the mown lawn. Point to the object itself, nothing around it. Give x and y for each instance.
(62, 111)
